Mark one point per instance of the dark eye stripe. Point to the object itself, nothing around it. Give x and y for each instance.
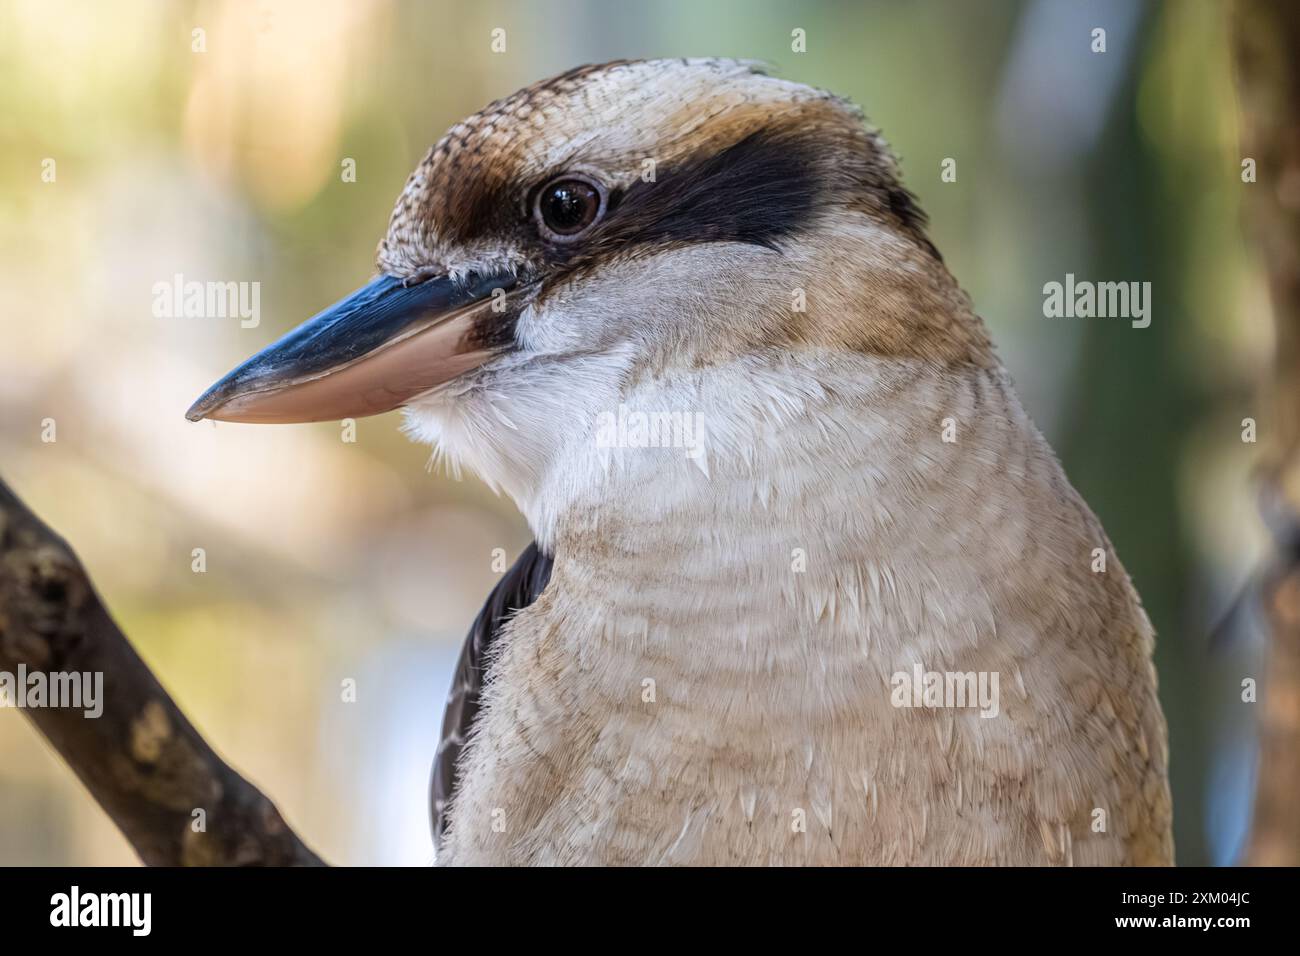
(758, 191)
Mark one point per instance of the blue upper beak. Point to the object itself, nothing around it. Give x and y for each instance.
(368, 353)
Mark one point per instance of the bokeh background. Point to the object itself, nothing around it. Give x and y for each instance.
(330, 561)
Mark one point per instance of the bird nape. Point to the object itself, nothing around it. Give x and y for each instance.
(765, 615)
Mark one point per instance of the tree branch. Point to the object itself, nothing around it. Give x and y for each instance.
(141, 759)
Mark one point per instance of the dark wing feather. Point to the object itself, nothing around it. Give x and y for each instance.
(518, 589)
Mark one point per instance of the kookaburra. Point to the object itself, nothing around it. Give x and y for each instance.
(808, 585)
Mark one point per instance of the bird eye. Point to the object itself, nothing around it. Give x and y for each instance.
(567, 207)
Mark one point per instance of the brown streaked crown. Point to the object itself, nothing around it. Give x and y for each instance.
(721, 135)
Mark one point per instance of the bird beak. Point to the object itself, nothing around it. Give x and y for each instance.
(380, 347)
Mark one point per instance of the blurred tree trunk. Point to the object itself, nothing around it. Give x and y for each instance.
(1267, 53)
(1131, 411)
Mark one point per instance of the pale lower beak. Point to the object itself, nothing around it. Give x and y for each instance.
(380, 347)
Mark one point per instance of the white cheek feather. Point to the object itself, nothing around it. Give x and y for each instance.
(515, 421)
(527, 423)
(560, 434)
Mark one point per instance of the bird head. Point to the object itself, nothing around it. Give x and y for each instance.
(606, 225)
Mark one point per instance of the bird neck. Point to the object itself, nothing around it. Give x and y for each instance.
(762, 471)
